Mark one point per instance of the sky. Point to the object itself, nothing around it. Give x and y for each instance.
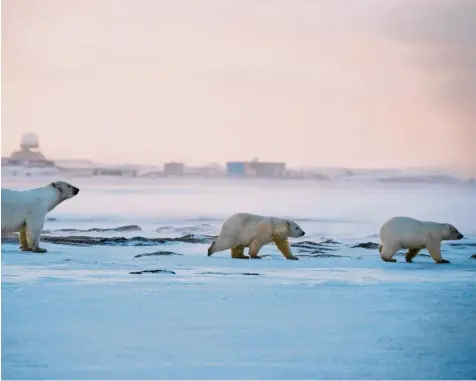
(365, 83)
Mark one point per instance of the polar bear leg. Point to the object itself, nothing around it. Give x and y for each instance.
(34, 227)
(387, 253)
(433, 247)
(412, 253)
(23, 240)
(283, 246)
(255, 247)
(237, 252)
(220, 244)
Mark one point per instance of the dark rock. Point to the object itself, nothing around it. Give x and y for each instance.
(319, 254)
(367, 245)
(163, 228)
(128, 228)
(114, 241)
(213, 273)
(473, 256)
(156, 253)
(125, 228)
(190, 238)
(221, 273)
(315, 249)
(312, 247)
(306, 244)
(152, 272)
(460, 244)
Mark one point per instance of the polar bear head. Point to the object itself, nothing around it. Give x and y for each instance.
(66, 190)
(294, 230)
(451, 233)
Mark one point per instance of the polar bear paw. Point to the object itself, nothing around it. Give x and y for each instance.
(39, 250)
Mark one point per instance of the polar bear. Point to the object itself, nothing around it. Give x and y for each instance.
(25, 211)
(414, 235)
(250, 230)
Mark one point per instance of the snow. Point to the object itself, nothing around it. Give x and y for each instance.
(77, 312)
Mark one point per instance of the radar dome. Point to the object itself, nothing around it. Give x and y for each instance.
(29, 141)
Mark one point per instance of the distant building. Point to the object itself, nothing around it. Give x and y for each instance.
(174, 168)
(236, 168)
(268, 169)
(88, 168)
(29, 154)
(207, 171)
(109, 171)
(255, 168)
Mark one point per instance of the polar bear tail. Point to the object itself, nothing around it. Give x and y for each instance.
(380, 248)
(210, 249)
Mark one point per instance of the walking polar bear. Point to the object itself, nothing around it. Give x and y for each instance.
(408, 233)
(250, 230)
(25, 211)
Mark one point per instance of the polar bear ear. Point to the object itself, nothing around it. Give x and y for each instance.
(448, 229)
(55, 185)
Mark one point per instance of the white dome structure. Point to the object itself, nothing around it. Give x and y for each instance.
(29, 141)
(29, 154)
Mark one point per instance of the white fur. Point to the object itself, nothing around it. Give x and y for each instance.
(25, 211)
(254, 231)
(408, 233)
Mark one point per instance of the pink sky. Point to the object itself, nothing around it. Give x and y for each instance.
(145, 81)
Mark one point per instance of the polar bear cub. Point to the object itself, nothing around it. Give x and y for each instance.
(250, 230)
(25, 211)
(414, 235)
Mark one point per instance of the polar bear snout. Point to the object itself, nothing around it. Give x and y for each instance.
(71, 191)
(452, 233)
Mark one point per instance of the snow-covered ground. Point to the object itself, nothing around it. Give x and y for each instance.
(87, 312)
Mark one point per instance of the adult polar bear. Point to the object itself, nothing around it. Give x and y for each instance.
(250, 230)
(25, 211)
(407, 233)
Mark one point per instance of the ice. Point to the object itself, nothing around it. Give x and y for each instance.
(77, 312)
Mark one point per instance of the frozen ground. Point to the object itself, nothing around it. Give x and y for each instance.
(77, 312)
